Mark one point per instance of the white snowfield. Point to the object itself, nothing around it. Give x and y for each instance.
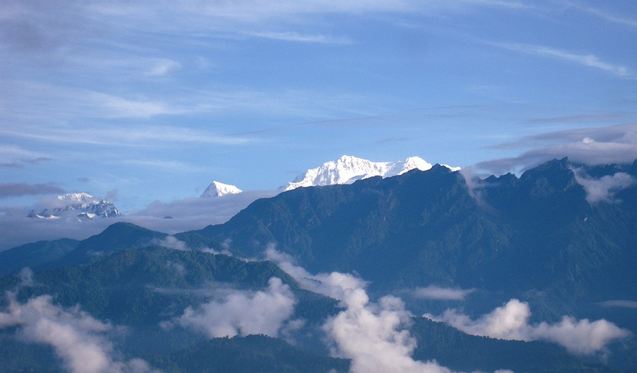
(78, 206)
(217, 189)
(347, 169)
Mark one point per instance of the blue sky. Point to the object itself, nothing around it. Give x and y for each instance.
(150, 100)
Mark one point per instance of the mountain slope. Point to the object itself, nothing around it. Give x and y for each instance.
(35, 255)
(135, 286)
(504, 234)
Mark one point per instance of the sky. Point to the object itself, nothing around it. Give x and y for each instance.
(151, 100)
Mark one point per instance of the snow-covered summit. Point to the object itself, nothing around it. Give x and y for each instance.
(347, 169)
(80, 197)
(80, 206)
(217, 189)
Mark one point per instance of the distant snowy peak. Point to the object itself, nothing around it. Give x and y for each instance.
(347, 169)
(80, 206)
(217, 190)
(80, 197)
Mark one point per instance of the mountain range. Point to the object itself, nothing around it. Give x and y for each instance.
(560, 238)
(348, 169)
(78, 206)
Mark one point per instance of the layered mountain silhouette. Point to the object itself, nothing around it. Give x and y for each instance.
(561, 236)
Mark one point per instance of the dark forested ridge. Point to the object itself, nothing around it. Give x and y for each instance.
(538, 237)
(504, 233)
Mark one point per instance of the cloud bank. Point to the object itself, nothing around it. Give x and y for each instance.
(593, 145)
(8, 190)
(511, 322)
(76, 337)
(243, 312)
(374, 337)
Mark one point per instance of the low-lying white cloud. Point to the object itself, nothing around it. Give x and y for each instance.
(243, 312)
(441, 293)
(171, 242)
(374, 337)
(334, 285)
(76, 337)
(372, 334)
(604, 188)
(511, 322)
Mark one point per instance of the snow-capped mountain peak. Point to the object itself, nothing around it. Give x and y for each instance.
(217, 189)
(79, 205)
(347, 169)
(81, 197)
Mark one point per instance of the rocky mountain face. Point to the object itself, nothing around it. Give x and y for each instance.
(348, 169)
(218, 189)
(560, 238)
(80, 206)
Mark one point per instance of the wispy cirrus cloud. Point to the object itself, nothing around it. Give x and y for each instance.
(582, 59)
(578, 118)
(163, 67)
(17, 156)
(115, 136)
(166, 165)
(603, 14)
(301, 38)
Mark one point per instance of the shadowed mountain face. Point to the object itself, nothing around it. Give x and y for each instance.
(561, 237)
(504, 234)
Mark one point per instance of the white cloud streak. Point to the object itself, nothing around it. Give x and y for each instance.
(582, 59)
(511, 322)
(605, 15)
(301, 38)
(76, 337)
(243, 312)
(163, 67)
(16, 156)
(441, 293)
(116, 136)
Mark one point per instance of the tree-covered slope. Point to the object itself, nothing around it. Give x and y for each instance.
(504, 234)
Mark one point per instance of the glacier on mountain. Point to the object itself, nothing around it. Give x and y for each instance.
(80, 206)
(347, 169)
(217, 189)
